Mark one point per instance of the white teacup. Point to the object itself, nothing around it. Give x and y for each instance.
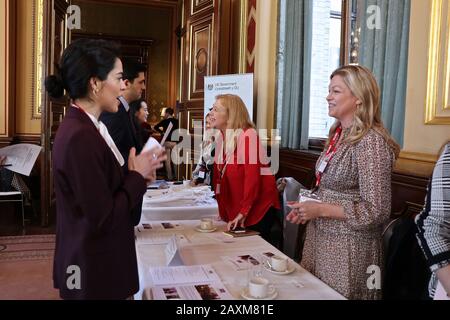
(206, 224)
(259, 287)
(187, 183)
(278, 263)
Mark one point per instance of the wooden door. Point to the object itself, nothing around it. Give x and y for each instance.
(134, 48)
(210, 46)
(56, 38)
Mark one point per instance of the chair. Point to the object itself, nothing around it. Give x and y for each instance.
(14, 196)
(406, 274)
(293, 235)
(387, 235)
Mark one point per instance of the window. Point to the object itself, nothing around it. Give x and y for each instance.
(315, 37)
(334, 43)
(325, 57)
(327, 48)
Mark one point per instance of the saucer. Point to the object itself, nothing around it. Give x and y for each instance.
(271, 295)
(290, 269)
(197, 228)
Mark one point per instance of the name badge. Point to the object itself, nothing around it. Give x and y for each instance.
(323, 165)
(201, 174)
(307, 195)
(305, 198)
(218, 188)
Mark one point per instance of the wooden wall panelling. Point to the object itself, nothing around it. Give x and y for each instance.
(200, 59)
(199, 6)
(56, 37)
(299, 165)
(10, 62)
(133, 48)
(174, 7)
(200, 48)
(201, 56)
(230, 36)
(210, 45)
(33, 139)
(408, 191)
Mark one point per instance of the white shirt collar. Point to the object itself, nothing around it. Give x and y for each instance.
(124, 103)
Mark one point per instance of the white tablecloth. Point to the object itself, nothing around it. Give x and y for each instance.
(203, 249)
(184, 209)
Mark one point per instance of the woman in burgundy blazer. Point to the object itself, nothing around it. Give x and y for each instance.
(245, 189)
(95, 254)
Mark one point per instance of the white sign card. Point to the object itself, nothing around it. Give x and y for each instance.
(238, 84)
(172, 252)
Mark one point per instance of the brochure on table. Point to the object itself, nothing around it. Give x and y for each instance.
(187, 283)
(246, 260)
(159, 233)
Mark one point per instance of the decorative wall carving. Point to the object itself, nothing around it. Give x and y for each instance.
(251, 36)
(198, 6)
(200, 55)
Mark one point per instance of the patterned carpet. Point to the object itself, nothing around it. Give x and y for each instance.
(26, 264)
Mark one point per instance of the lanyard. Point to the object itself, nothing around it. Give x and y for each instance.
(221, 174)
(331, 151)
(222, 171)
(78, 107)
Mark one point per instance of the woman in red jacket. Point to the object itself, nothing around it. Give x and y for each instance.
(245, 188)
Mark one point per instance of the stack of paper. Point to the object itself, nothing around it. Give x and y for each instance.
(179, 197)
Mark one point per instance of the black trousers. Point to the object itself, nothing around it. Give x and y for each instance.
(265, 225)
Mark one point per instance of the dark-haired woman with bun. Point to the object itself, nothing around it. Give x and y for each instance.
(95, 254)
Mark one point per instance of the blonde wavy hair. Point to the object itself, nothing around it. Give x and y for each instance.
(364, 87)
(238, 118)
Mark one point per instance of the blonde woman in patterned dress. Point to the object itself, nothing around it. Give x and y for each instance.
(343, 236)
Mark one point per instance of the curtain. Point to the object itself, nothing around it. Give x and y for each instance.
(294, 70)
(384, 50)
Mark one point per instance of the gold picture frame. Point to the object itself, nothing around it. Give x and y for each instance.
(37, 59)
(437, 107)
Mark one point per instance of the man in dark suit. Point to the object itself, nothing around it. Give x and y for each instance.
(120, 125)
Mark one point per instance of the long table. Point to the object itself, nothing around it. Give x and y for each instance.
(204, 249)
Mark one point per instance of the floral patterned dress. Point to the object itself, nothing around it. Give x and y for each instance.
(340, 252)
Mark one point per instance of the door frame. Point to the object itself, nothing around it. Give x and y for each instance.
(47, 195)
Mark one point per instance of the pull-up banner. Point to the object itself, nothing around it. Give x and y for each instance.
(238, 84)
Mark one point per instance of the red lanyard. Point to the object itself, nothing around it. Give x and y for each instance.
(331, 151)
(78, 107)
(222, 171)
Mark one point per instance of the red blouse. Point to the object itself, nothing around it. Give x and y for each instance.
(243, 189)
